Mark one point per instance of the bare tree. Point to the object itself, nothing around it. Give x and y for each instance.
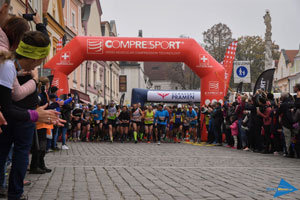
(217, 39)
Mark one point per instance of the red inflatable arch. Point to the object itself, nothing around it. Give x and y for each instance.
(83, 48)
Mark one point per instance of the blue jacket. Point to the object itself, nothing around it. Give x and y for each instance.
(161, 117)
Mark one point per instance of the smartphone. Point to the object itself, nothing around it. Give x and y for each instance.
(29, 17)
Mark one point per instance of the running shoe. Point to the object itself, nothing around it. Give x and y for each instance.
(64, 147)
(246, 149)
(23, 197)
(148, 142)
(158, 143)
(26, 183)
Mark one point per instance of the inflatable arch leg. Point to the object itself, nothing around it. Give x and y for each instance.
(83, 48)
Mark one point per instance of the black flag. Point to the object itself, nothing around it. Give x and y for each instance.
(239, 88)
(122, 99)
(265, 81)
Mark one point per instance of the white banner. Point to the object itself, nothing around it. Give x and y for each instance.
(173, 96)
(241, 72)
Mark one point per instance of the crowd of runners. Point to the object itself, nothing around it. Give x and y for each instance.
(136, 123)
(33, 118)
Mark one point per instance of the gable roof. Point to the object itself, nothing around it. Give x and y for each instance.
(289, 55)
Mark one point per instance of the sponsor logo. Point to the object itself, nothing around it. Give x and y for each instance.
(213, 86)
(204, 61)
(283, 188)
(183, 96)
(55, 82)
(163, 95)
(117, 44)
(263, 84)
(226, 75)
(65, 58)
(207, 102)
(95, 46)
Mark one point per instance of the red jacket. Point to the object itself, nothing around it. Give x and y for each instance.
(266, 116)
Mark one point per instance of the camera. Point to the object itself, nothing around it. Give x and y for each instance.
(204, 110)
(29, 17)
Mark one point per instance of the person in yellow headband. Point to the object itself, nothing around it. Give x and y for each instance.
(32, 50)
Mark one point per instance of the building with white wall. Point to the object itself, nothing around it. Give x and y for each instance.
(132, 75)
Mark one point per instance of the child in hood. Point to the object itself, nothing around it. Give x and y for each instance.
(234, 130)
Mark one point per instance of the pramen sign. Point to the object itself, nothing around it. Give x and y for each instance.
(173, 96)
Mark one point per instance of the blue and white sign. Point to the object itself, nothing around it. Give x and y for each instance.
(242, 72)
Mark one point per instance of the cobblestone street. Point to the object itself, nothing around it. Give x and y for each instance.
(170, 171)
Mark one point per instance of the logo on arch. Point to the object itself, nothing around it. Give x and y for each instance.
(65, 58)
(213, 86)
(204, 61)
(95, 46)
(163, 95)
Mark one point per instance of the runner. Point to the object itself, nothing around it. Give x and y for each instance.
(86, 123)
(161, 119)
(192, 119)
(98, 114)
(178, 123)
(76, 122)
(136, 117)
(186, 124)
(117, 133)
(124, 118)
(111, 117)
(169, 129)
(149, 119)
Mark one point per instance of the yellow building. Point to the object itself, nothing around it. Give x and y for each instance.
(53, 13)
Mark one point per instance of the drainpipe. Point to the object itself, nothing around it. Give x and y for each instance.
(139, 74)
(289, 85)
(104, 80)
(86, 76)
(110, 65)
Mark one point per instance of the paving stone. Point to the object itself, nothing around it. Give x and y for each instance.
(101, 171)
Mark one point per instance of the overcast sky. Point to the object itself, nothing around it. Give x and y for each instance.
(172, 18)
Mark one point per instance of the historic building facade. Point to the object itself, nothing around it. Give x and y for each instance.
(283, 70)
(295, 71)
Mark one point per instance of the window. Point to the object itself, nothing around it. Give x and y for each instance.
(82, 74)
(123, 83)
(107, 78)
(74, 76)
(36, 5)
(116, 85)
(73, 19)
(89, 76)
(157, 87)
(112, 82)
(95, 78)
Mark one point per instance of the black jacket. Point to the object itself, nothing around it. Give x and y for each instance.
(285, 111)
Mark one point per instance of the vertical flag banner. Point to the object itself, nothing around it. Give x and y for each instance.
(265, 81)
(228, 63)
